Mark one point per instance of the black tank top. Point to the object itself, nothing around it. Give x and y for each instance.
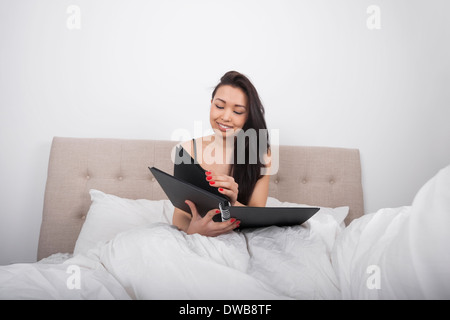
(188, 169)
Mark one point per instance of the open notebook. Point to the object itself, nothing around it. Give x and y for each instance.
(178, 191)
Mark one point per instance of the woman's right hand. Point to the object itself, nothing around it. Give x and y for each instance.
(207, 226)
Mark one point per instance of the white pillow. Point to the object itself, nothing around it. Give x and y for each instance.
(327, 223)
(109, 215)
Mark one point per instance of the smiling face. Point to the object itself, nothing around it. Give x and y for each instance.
(229, 110)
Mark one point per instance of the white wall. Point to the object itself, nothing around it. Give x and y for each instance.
(325, 78)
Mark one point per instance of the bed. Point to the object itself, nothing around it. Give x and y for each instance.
(106, 233)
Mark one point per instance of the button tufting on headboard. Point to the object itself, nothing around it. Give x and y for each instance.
(306, 175)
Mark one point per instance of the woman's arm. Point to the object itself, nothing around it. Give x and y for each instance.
(260, 193)
(202, 225)
(261, 190)
(181, 219)
(230, 188)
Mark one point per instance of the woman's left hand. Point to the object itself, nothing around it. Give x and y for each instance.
(225, 184)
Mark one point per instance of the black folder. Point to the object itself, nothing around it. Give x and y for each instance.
(178, 191)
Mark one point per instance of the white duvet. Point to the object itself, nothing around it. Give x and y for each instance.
(157, 261)
(160, 262)
(395, 253)
(400, 253)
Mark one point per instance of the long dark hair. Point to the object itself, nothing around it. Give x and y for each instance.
(245, 173)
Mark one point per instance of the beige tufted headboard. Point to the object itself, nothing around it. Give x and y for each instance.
(320, 176)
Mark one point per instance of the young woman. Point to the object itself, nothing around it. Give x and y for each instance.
(215, 162)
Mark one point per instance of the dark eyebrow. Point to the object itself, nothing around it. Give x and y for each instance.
(236, 105)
